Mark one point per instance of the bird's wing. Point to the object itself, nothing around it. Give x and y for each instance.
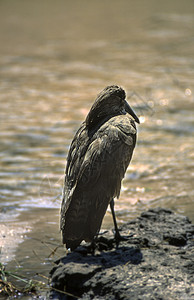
(74, 160)
(76, 154)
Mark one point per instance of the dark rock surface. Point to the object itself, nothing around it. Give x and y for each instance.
(155, 262)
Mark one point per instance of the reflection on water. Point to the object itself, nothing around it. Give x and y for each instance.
(54, 60)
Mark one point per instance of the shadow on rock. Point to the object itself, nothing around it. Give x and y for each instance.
(155, 262)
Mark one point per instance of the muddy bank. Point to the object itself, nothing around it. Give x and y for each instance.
(155, 262)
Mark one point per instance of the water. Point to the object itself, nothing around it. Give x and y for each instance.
(55, 58)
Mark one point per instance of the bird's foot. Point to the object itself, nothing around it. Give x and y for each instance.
(119, 237)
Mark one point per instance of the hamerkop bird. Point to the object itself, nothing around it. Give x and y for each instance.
(98, 158)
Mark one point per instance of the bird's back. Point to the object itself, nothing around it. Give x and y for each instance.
(96, 164)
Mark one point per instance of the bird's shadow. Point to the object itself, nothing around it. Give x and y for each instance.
(106, 253)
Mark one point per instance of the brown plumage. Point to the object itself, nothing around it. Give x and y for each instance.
(98, 158)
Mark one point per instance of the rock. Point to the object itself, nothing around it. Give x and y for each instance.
(156, 261)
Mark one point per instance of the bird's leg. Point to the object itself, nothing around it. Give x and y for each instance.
(118, 237)
(117, 234)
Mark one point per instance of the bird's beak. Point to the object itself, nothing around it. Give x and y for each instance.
(131, 112)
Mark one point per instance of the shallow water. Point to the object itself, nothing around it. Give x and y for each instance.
(54, 59)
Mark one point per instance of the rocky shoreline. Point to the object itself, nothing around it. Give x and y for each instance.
(155, 261)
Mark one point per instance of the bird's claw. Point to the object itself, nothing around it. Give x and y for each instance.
(119, 237)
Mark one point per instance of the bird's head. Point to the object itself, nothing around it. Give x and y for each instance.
(109, 103)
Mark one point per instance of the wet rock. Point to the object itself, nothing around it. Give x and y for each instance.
(156, 261)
